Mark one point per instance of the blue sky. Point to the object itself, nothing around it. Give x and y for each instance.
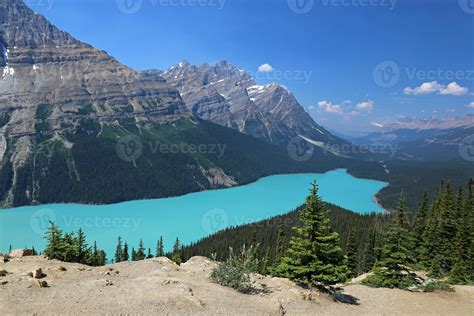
(340, 58)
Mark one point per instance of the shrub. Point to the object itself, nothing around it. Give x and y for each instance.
(437, 286)
(236, 270)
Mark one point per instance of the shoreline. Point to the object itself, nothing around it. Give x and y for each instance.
(197, 192)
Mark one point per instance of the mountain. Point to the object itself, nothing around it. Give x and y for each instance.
(228, 96)
(78, 126)
(425, 139)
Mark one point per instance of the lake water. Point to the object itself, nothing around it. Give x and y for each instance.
(189, 217)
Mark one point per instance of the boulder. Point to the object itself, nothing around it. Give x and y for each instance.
(18, 253)
(43, 283)
(3, 273)
(37, 274)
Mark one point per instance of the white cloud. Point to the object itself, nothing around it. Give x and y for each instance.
(346, 108)
(454, 89)
(425, 88)
(265, 68)
(470, 105)
(329, 107)
(366, 106)
(430, 87)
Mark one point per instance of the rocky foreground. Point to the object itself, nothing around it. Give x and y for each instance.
(35, 285)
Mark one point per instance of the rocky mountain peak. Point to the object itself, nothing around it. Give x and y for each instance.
(227, 95)
(21, 27)
(45, 66)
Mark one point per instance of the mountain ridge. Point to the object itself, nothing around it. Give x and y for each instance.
(229, 96)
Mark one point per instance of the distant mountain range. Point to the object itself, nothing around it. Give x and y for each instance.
(424, 139)
(78, 126)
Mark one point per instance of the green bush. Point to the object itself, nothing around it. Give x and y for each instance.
(437, 286)
(236, 270)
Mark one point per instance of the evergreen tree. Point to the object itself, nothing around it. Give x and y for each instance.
(419, 226)
(119, 250)
(140, 255)
(314, 257)
(55, 247)
(102, 258)
(134, 254)
(81, 247)
(94, 258)
(125, 256)
(392, 270)
(266, 263)
(149, 255)
(281, 245)
(352, 255)
(469, 215)
(370, 256)
(176, 257)
(160, 248)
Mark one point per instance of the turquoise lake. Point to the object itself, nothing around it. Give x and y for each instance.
(189, 217)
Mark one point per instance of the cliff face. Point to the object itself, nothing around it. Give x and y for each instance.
(230, 97)
(72, 80)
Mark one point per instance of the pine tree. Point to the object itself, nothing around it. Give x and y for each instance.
(102, 258)
(281, 245)
(119, 250)
(352, 255)
(392, 270)
(81, 247)
(159, 248)
(125, 256)
(134, 254)
(460, 273)
(140, 251)
(469, 215)
(55, 247)
(94, 258)
(149, 255)
(370, 257)
(266, 263)
(176, 257)
(420, 225)
(314, 257)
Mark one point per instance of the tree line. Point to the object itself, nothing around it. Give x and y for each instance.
(321, 245)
